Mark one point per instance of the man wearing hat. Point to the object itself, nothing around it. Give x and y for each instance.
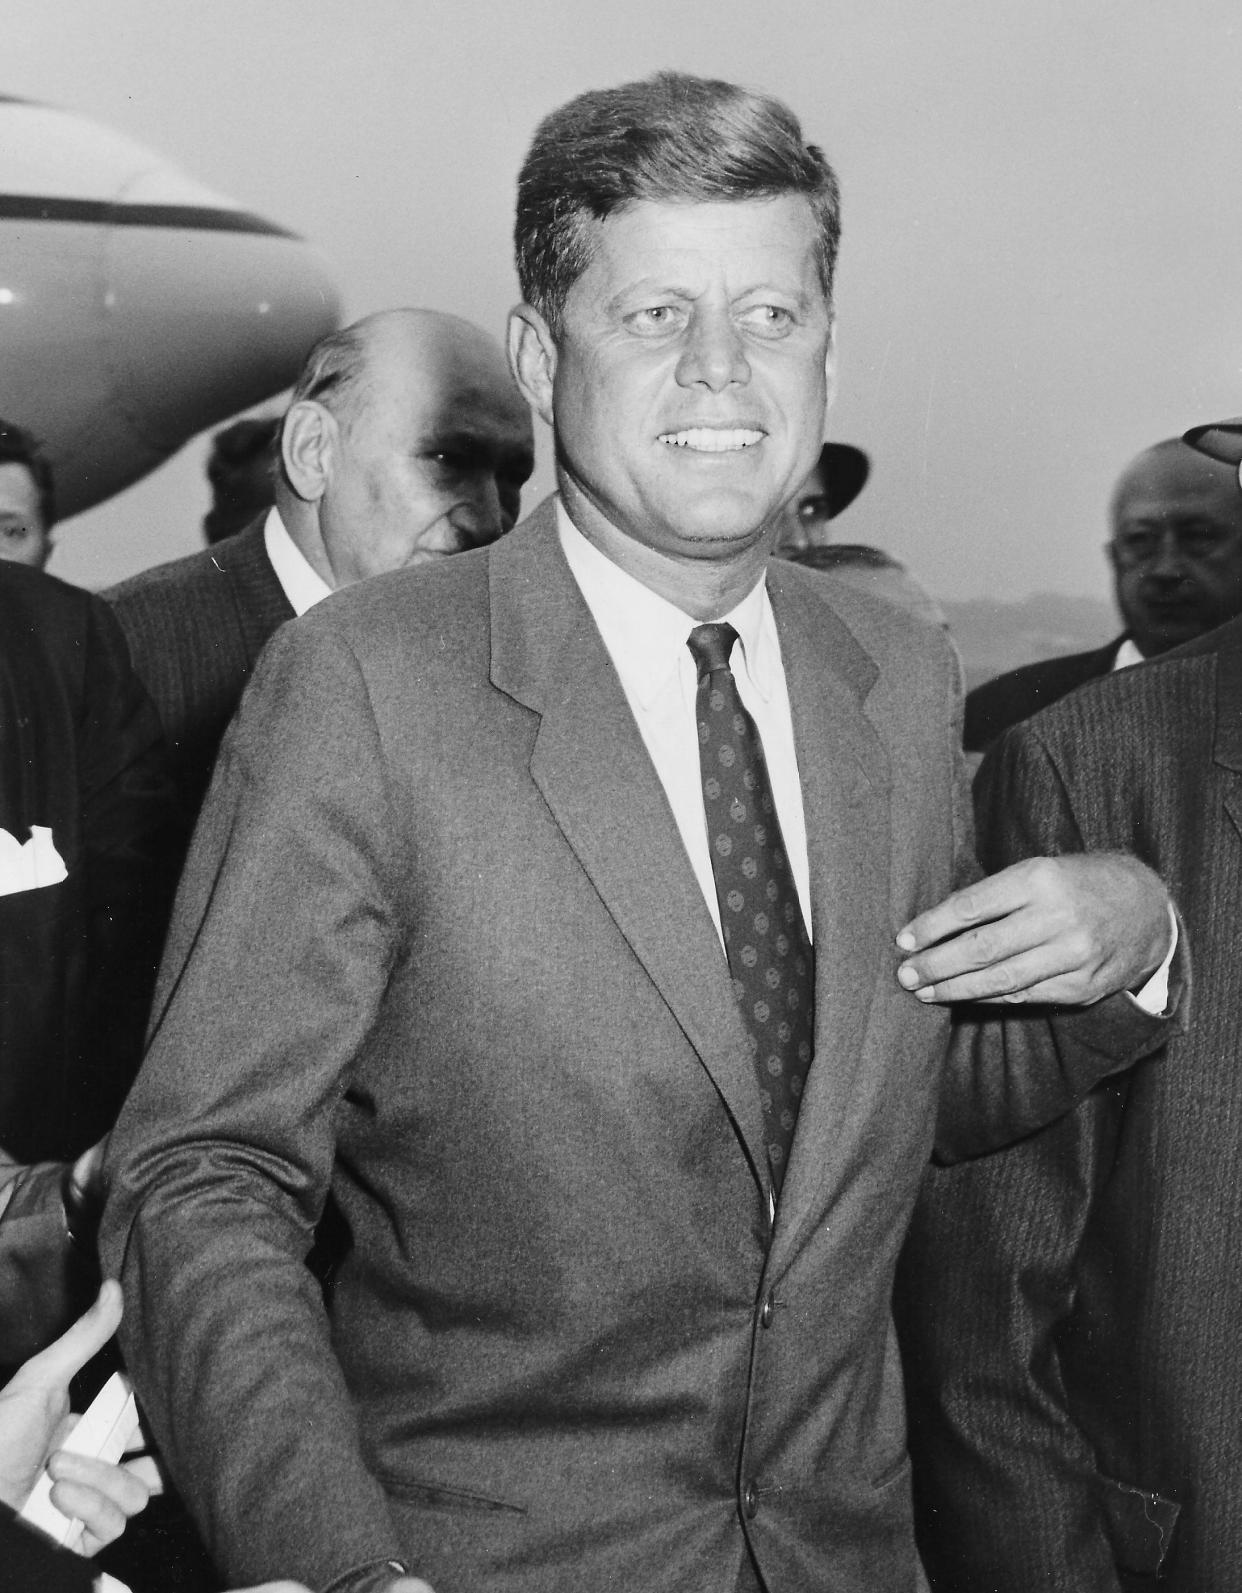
(1069, 1307)
(1176, 553)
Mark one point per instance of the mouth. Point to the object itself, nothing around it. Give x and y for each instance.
(713, 439)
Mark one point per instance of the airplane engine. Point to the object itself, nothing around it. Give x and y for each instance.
(136, 306)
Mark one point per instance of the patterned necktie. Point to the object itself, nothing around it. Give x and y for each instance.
(765, 940)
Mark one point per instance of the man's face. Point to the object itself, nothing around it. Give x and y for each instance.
(691, 373)
(432, 456)
(1177, 548)
(24, 539)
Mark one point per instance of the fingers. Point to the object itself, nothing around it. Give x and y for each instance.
(1068, 930)
(983, 902)
(67, 1355)
(101, 1496)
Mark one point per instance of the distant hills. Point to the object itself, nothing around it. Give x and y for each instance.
(993, 636)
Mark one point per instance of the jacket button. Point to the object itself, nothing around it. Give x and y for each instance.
(750, 1501)
(766, 1313)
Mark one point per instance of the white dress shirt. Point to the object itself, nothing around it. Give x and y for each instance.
(646, 639)
(302, 585)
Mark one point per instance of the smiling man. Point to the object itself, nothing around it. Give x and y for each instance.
(544, 913)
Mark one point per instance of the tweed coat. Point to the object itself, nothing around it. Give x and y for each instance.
(1071, 1306)
(195, 628)
(440, 950)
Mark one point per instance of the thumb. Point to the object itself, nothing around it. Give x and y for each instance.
(68, 1354)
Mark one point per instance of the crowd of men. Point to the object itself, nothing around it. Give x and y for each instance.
(580, 951)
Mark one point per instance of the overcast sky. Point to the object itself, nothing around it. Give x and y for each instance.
(1042, 268)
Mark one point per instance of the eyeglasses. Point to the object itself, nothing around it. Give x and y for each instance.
(1194, 543)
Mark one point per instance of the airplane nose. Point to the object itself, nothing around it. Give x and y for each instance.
(137, 307)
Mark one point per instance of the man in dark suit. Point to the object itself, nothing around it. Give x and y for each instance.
(1176, 553)
(1069, 1307)
(528, 889)
(405, 440)
(85, 803)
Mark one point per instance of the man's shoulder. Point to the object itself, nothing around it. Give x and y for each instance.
(994, 706)
(892, 636)
(189, 577)
(1163, 696)
(45, 618)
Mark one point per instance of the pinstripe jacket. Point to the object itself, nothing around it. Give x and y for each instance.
(1070, 1308)
(195, 629)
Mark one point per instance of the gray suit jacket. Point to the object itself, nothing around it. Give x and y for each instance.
(195, 628)
(1071, 1307)
(439, 950)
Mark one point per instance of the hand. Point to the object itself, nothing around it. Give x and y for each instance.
(1068, 930)
(34, 1420)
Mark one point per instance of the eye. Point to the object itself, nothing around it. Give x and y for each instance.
(769, 320)
(654, 319)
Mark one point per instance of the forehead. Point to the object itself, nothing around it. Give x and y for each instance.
(745, 243)
(1166, 483)
(18, 492)
(428, 390)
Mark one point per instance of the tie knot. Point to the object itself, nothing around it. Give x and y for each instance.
(711, 646)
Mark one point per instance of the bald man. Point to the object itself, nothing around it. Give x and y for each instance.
(1176, 553)
(406, 440)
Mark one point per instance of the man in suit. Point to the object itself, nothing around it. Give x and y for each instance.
(405, 440)
(529, 887)
(1176, 553)
(27, 499)
(85, 806)
(1069, 1307)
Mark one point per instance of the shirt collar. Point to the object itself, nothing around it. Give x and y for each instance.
(646, 635)
(1127, 655)
(300, 582)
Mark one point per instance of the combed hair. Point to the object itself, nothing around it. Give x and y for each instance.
(334, 370)
(671, 137)
(20, 447)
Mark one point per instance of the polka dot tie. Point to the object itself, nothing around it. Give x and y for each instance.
(765, 939)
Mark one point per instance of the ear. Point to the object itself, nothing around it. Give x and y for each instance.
(309, 440)
(830, 364)
(532, 358)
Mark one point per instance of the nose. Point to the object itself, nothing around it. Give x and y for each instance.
(1168, 564)
(714, 356)
(480, 518)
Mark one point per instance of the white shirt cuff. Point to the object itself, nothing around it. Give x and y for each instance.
(1154, 996)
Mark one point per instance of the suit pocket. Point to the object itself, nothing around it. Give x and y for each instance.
(427, 1491)
(1140, 1526)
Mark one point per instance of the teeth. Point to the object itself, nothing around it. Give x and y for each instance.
(705, 440)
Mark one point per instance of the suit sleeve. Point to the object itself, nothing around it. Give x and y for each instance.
(1012, 1071)
(128, 835)
(281, 946)
(1007, 1491)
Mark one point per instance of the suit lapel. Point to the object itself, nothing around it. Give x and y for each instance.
(593, 770)
(845, 793)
